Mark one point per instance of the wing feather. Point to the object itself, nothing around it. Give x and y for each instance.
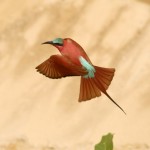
(58, 66)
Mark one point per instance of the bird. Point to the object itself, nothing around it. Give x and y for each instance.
(74, 61)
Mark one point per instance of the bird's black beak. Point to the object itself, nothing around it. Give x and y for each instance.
(48, 42)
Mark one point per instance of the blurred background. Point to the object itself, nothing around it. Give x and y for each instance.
(41, 113)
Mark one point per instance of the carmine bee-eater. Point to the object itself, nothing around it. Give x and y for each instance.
(73, 61)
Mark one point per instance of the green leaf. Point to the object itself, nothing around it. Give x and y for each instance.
(106, 143)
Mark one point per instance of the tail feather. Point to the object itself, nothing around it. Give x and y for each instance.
(92, 87)
(114, 102)
(88, 89)
(104, 76)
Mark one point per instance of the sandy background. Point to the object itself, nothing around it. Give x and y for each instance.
(39, 113)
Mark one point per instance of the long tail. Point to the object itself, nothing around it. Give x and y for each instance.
(92, 87)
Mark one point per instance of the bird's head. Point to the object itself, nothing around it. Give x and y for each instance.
(58, 42)
(66, 44)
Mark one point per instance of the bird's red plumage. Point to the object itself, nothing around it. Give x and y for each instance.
(73, 51)
(58, 66)
(69, 64)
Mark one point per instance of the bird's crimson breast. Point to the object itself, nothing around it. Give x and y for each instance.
(73, 51)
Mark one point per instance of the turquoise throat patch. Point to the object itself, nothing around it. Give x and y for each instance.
(90, 69)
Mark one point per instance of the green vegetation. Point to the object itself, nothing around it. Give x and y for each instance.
(106, 143)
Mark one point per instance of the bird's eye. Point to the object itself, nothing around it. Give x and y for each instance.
(59, 44)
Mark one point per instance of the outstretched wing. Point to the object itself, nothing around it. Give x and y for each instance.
(58, 66)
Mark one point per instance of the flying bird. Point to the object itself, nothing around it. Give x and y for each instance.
(74, 61)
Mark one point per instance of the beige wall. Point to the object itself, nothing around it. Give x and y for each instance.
(45, 111)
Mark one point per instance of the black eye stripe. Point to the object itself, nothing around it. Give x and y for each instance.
(59, 44)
